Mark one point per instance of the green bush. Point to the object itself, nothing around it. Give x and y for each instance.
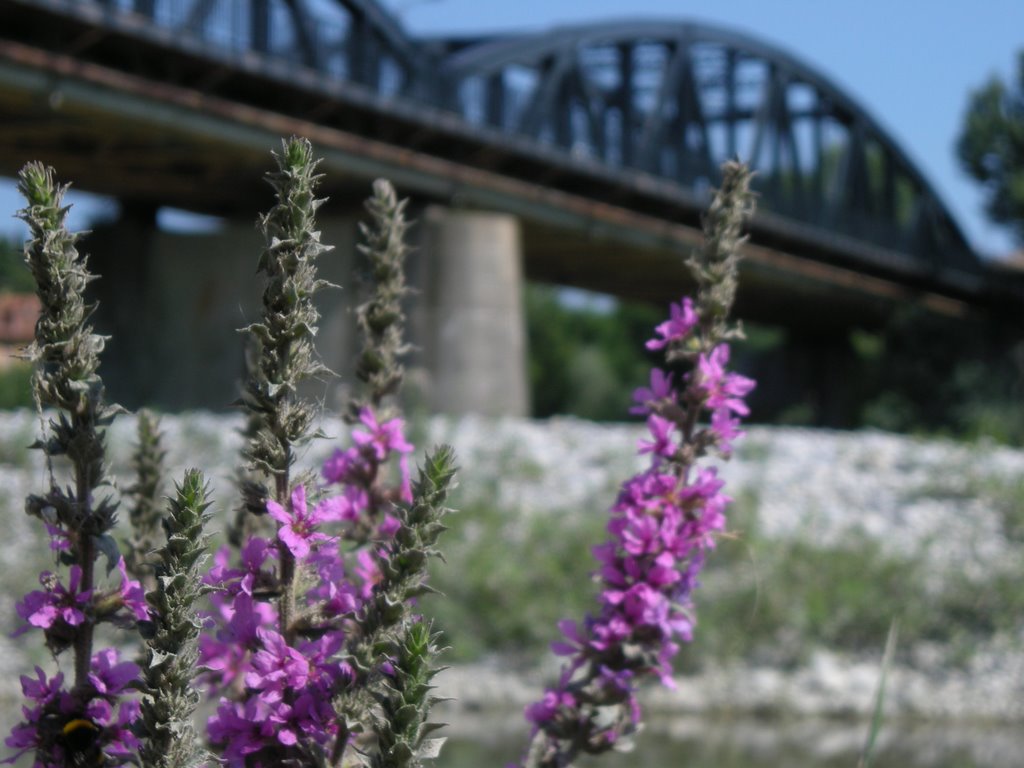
(585, 360)
(14, 275)
(16, 386)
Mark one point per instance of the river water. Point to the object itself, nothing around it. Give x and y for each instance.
(494, 740)
(723, 743)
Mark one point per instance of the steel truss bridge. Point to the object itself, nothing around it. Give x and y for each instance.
(604, 139)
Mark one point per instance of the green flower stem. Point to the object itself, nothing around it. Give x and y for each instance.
(172, 647)
(389, 631)
(146, 509)
(284, 356)
(66, 355)
(381, 320)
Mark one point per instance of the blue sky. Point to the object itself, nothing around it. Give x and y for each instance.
(910, 63)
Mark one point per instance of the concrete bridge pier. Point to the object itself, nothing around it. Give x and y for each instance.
(173, 304)
(467, 320)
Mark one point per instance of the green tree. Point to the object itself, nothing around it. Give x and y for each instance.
(14, 275)
(586, 361)
(991, 147)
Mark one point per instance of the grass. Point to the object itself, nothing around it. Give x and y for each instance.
(14, 447)
(508, 580)
(792, 596)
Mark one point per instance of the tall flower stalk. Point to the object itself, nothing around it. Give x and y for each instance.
(665, 519)
(272, 661)
(280, 418)
(172, 638)
(394, 527)
(147, 508)
(316, 637)
(91, 720)
(378, 429)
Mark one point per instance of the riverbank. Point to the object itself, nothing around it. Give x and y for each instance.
(834, 535)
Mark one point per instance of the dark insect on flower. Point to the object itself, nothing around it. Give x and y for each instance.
(78, 738)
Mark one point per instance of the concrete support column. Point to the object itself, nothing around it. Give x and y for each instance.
(173, 304)
(469, 324)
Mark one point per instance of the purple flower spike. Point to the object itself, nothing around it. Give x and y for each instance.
(662, 524)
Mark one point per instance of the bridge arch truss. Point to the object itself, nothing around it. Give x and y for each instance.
(675, 100)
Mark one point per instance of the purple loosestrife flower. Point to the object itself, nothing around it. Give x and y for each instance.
(276, 666)
(56, 604)
(661, 430)
(368, 570)
(722, 390)
(59, 539)
(545, 710)
(346, 466)
(298, 529)
(252, 576)
(333, 592)
(681, 321)
(228, 654)
(725, 429)
(44, 694)
(382, 438)
(659, 391)
(357, 470)
(132, 595)
(288, 702)
(109, 675)
(665, 518)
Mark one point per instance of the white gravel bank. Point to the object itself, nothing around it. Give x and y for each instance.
(914, 496)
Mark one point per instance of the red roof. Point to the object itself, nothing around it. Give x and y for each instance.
(18, 315)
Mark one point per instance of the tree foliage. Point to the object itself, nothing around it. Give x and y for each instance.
(991, 147)
(585, 360)
(14, 275)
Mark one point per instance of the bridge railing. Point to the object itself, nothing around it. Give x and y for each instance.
(353, 41)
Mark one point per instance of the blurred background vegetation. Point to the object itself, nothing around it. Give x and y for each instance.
(15, 375)
(771, 601)
(922, 374)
